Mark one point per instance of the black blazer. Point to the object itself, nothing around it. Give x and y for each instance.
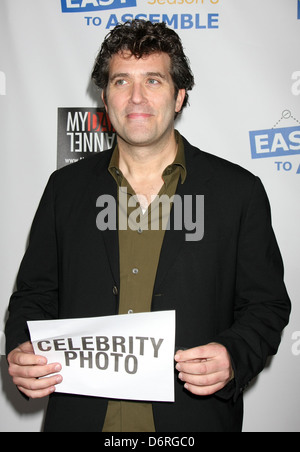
(226, 288)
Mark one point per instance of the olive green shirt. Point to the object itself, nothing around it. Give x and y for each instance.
(140, 241)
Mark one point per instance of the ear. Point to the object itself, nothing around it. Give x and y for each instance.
(180, 100)
(103, 97)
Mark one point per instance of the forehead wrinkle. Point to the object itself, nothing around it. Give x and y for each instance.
(132, 60)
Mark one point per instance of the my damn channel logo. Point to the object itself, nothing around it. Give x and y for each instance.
(80, 6)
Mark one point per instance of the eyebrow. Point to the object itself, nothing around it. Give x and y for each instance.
(126, 74)
(156, 74)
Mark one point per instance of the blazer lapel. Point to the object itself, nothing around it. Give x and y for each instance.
(199, 172)
(102, 183)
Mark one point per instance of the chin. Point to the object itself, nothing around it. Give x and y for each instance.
(138, 139)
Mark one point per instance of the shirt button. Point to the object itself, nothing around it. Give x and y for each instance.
(115, 290)
(135, 271)
(140, 230)
(130, 311)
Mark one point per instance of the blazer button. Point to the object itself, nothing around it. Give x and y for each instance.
(115, 290)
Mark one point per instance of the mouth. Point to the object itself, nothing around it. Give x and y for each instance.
(139, 116)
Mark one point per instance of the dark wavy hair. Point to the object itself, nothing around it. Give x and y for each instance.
(142, 38)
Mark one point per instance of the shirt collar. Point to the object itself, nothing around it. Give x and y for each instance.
(179, 159)
(178, 162)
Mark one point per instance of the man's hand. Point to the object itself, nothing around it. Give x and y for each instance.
(26, 368)
(205, 370)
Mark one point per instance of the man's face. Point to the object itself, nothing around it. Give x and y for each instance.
(140, 98)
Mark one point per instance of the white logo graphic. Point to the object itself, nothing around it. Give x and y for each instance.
(296, 344)
(2, 84)
(296, 84)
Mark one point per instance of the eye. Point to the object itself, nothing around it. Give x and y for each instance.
(153, 81)
(120, 82)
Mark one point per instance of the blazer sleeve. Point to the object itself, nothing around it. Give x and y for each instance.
(262, 305)
(36, 295)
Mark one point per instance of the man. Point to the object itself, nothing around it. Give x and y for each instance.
(226, 286)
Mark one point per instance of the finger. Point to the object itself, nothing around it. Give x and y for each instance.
(24, 355)
(202, 367)
(201, 352)
(26, 347)
(37, 393)
(21, 358)
(204, 380)
(34, 371)
(204, 390)
(35, 388)
(37, 384)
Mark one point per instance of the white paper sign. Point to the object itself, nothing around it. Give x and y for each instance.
(120, 357)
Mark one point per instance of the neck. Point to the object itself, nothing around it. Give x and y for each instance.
(140, 163)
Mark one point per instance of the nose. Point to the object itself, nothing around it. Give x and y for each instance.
(138, 94)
